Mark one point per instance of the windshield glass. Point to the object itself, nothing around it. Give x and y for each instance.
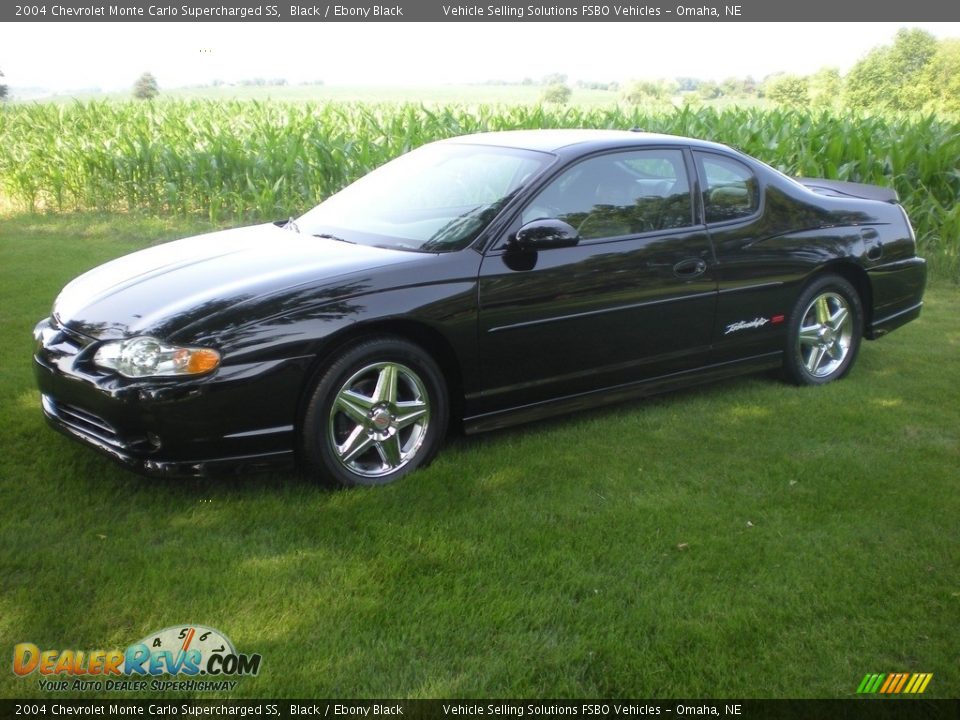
(435, 199)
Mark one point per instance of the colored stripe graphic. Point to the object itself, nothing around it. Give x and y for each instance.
(894, 683)
(900, 684)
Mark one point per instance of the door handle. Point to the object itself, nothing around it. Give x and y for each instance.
(690, 268)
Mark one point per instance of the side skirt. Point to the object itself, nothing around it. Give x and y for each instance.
(619, 393)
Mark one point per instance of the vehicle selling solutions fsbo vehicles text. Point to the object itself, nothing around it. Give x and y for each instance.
(588, 11)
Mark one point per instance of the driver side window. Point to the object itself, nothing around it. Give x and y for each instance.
(624, 193)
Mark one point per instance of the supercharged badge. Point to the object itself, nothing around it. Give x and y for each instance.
(746, 324)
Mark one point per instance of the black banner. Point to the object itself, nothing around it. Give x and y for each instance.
(477, 11)
(854, 709)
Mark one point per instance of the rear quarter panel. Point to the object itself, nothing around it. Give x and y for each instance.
(763, 264)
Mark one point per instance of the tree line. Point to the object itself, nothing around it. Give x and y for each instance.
(916, 72)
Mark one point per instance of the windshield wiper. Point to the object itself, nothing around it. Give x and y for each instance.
(328, 236)
(291, 225)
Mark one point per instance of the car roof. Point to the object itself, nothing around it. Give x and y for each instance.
(555, 140)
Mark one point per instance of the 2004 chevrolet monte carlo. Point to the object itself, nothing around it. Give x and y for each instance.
(483, 280)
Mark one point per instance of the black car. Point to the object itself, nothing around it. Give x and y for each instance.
(483, 280)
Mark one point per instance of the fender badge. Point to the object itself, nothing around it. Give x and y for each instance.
(747, 324)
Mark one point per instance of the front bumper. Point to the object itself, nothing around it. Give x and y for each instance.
(240, 416)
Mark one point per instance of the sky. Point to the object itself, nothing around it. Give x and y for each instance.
(110, 56)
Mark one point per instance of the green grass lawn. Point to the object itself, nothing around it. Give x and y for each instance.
(746, 539)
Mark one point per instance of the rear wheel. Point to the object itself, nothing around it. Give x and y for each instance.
(825, 331)
(379, 412)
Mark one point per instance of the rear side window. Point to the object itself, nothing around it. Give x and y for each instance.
(730, 189)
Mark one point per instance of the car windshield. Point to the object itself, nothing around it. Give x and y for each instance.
(435, 199)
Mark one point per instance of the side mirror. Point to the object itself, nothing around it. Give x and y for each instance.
(545, 234)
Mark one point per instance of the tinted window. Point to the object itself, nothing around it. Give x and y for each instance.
(435, 199)
(730, 188)
(619, 194)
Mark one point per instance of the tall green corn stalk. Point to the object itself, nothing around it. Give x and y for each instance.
(246, 160)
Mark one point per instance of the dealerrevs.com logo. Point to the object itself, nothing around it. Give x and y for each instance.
(202, 655)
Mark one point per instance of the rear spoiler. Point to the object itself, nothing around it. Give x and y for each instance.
(838, 188)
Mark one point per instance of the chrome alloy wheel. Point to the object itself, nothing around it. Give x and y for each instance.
(826, 332)
(379, 419)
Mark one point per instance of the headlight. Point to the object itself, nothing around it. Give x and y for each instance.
(149, 357)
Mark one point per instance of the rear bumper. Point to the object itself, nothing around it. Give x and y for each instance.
(238, 417)
(897, 295)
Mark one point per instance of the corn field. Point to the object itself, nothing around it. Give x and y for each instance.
(248, 159)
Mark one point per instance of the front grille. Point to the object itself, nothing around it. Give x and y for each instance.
(83, 422)
(58, 340)
(60, 348)
(78, 340)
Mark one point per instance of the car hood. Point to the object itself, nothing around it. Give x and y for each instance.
(165, 288)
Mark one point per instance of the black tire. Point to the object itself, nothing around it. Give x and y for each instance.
(379, 411)
(822, 344)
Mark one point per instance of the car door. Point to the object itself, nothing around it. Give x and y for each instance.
(634, 298)
(752, 300)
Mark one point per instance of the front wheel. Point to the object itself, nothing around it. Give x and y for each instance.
(379, 412)
(825, 331)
